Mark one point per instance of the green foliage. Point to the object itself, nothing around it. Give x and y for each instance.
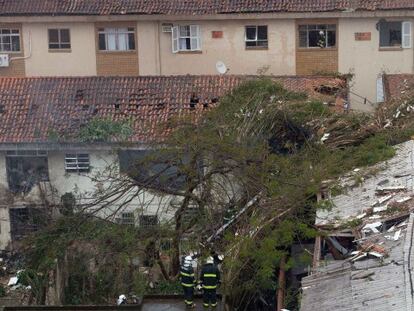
(2, 291)
(105, 130)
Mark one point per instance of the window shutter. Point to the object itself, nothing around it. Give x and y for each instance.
(174, 39)
(406, 35)
(195, 37)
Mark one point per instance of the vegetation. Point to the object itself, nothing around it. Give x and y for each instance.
(262, 144)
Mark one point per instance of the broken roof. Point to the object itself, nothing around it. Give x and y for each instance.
(398, 85)
(381, 284)
(372, 189)
(30, 108)
(195, 7)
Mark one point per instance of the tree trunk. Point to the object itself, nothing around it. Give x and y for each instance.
(282, 285)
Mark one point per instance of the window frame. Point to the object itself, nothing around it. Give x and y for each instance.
(59, 42)
(193, 36)
(256, 40)
(106, 31)
(405, 35)
(75, 156)
(10, 35)
(127, 219)
(327, 29)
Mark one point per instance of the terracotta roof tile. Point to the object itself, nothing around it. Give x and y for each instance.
(398, 85)
(30, 108)
(190, 7)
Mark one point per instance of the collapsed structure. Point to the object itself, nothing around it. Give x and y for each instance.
(44, 162)
(364, 257)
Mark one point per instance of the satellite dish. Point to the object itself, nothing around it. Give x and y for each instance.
(221, 67)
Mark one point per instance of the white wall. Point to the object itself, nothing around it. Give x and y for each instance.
(82, 186)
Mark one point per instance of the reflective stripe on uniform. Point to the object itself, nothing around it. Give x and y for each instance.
(210, 275)
(214, 304)
(188, 285)
(187, 274)
(188, 302)
(209, 287)
(206, 305)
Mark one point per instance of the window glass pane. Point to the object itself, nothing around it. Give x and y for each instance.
(331, 38)
(111, 38)
(183, 44)
(53, 35)
(303, 39)
(131, 41)
(64, 36)
(122, 42)
(251, 43)
(5, 31)
(251, 33)
(184, 31)
(313, 38)
(65, 46)
(262, 32)
(262, 43)
(102, 44)
(390, 34)
(53, 45)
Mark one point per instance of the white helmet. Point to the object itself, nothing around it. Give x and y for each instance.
(209, 260)
(188, 258)
(220, 257)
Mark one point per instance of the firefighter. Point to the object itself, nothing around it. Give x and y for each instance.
(209, 280)
(188, 281)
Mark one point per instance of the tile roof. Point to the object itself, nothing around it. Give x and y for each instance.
(30, 108)
(190, 7)
(398, 85)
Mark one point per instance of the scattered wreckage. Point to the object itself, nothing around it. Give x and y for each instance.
(364, 258)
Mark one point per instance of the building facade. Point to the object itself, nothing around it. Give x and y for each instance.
(90, 38)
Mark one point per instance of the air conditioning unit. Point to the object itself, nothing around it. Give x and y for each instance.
(4, 60)
(166, 27)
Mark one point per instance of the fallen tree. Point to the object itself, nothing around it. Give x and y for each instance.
(261, 144)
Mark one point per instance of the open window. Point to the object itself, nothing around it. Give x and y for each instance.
(186, 38)
(317, 36)
(395, 34)
(256, 37)
(25, 169)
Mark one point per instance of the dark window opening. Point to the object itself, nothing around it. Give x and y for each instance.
(152, 170)
(9, 40)
(59, 39)
(24, 221)
(25, 170)
(256, 36)
(390, 34)
(148, 221)
(128, 218)
(317, 36)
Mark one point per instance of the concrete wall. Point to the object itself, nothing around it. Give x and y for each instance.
(366, 60)
(79, 61)
(82, 185)
(156, 57)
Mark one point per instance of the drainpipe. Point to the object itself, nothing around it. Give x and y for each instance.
(30, 50)
(159, 48)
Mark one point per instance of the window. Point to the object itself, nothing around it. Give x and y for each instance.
(128, 218)
(186, 38)
(395, 34)
(59, 39)
(25, 169)
(256, 36)
(317, 36)
(77, 162)
(116, 39)
(148, 221)
(9, 40)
